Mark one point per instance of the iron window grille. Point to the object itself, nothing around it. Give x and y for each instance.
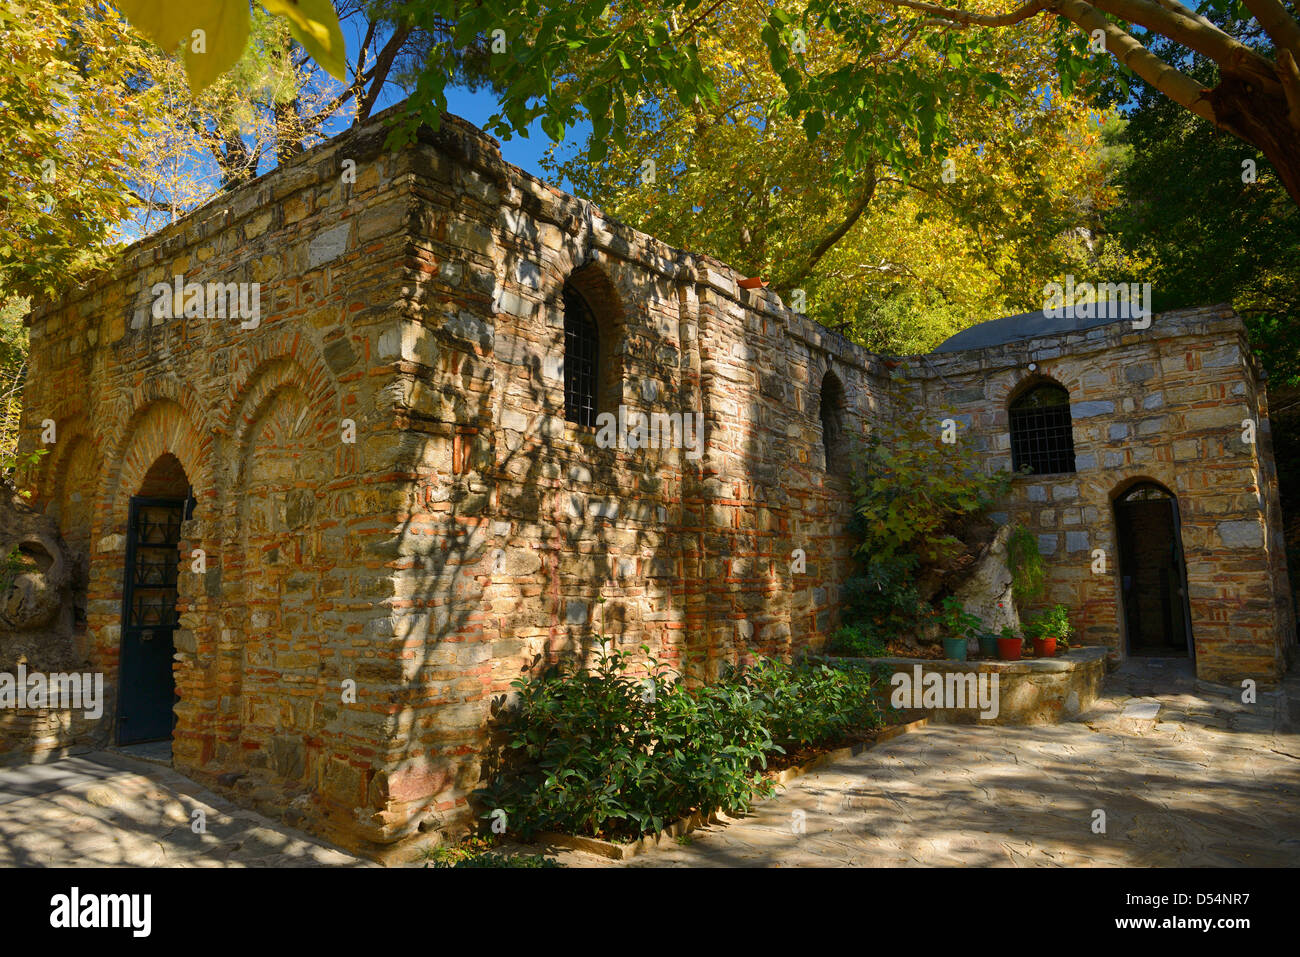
(1042, 437)
(581, 352)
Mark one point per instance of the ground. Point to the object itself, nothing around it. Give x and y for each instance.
(1209, 781)
(106, 809)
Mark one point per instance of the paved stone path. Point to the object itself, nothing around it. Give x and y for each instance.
(105, 809)
(1208, 782)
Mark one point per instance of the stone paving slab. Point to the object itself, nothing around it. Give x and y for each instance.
(28, 780)
(108, 810)
(1212, 782)
(1220, 791)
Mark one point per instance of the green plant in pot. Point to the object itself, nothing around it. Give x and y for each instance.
(1049, 628)
(988, 644)
(1009, 644)
(957, 626)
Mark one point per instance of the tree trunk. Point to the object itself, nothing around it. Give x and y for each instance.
(1262, 120)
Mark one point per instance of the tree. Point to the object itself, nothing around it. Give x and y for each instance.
(557, 58)
(901, 256)
(70, 145)
(1255, 95)
(1195, 195)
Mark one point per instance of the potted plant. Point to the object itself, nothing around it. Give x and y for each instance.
(957, 627)
(1047, 628)
(1009, 645)
(988, 644)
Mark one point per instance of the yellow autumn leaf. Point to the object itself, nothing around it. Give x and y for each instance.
(315, 25)
(224, 26)
(225, 34)
(214, 32)
(162, 21)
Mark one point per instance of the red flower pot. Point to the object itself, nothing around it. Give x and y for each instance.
(1044, 647)
(1009, 649)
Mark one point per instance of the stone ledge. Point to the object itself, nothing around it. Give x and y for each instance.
(1031, 691)
(1069, 661)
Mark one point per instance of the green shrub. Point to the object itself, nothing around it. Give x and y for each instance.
(809, 704)
(1025, 562)
(914, 497)
(858, 642)
(604, 753)
(912, 491)
(607, 754)
(882, 601)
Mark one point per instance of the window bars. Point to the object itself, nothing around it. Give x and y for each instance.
(581, 352)
(1042, 438)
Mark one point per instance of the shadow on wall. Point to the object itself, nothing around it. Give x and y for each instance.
(516, 532)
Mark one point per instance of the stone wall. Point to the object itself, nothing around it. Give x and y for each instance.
(469, 532)
(288, 597)
(1164, 404)
(528, 540)
(396, 520)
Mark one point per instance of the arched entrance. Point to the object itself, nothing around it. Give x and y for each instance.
(1153, 576)
(146, 686)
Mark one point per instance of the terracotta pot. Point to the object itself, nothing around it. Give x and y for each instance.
(1044, 647)
(1009, 649)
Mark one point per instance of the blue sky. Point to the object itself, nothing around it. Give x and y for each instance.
(477, 106)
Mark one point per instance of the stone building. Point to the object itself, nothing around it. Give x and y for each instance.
(330, 510)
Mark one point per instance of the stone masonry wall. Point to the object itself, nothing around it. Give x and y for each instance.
(396, 520)
(1164, 404)
(528, 541)
(468, 532)
(290, 516)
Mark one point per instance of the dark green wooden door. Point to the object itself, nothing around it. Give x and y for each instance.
(146, 686)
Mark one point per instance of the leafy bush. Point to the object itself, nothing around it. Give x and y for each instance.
(604, 753)
(912, 490)
(608, 754)
(808, 704)
(1025, 562)
(913, 497)
(858, 642)
(882, 602)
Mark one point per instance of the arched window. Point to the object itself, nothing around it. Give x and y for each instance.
(834, 435)
(581, 358)
(1042, 439)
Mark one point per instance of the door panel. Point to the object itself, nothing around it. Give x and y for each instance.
(147, 689)
(1152, 573)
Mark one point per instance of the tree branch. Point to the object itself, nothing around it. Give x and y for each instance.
(379, 73)
(1280, 25)
(1179, 87)
(823, 247)
(1018, 15)
(1209, 41)
(1289, 74)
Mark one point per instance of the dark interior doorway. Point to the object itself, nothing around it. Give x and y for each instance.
(1153, 575)
(146, 686)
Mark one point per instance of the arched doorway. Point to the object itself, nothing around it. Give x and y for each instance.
(1153, 576)
(146, 686)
